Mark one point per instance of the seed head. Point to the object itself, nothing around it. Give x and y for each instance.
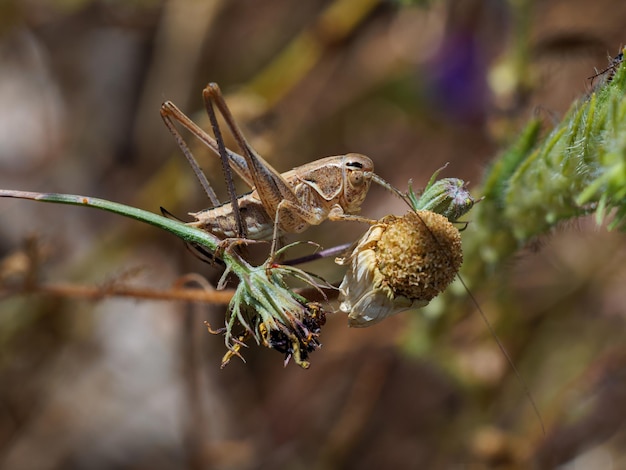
(399, 264)
(266, 309)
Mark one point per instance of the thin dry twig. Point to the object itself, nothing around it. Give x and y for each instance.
(62, 289)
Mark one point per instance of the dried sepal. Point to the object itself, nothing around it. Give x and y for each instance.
(400, 263)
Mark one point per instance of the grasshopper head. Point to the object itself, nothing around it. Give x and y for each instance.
(357, 176)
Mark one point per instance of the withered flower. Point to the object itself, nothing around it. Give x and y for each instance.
(266, 309)
(301, 338)
(400, 263)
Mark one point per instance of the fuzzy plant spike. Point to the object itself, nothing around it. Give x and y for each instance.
(578, 168)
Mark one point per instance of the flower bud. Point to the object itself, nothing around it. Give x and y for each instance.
(448, 197)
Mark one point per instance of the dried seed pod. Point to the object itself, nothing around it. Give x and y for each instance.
(400, 263)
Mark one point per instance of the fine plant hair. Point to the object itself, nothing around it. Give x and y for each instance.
(576, 169)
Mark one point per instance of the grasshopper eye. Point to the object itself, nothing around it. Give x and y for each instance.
(356, 175)
(356, 178)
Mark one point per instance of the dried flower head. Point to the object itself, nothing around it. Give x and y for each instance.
(266, 309)
(301, 337)
(295, 339)
(400, 263)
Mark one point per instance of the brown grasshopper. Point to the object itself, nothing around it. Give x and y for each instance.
(330, 188)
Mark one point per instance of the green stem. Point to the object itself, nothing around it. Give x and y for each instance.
(264, 306)
(180, 229)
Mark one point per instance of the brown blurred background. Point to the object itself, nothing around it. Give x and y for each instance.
(130, 384)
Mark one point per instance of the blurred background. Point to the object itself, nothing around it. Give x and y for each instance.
(130, 384)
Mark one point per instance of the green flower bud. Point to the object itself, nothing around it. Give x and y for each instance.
(448, 197)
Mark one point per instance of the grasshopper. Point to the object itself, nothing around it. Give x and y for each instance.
(330, 188)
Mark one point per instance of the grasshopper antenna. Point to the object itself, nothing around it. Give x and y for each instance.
(402, 196)
(506, 355)
(498, 342)
(389, 187)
